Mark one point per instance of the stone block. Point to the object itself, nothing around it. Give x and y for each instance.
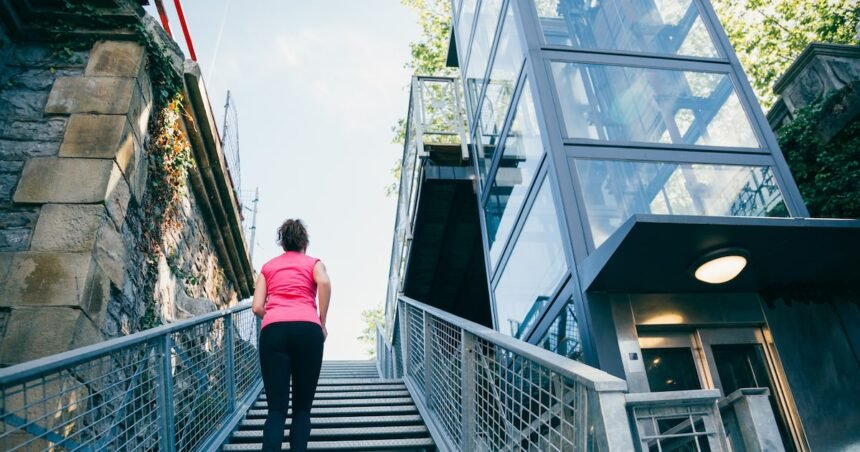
(50, 129)
(97, 136)
(138, 114)
(110, 254)
(68, 227)
(62, 329)
(105, 95)
(15, 239)
(48, 279)
(5, 265)
(115, 58)
(23, 103)
(22, 150)
(66, 180)
(118, 198)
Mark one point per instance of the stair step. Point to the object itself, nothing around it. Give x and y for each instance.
(373, 444)
(343, 411)
(357, 381)
(328, 403)
(361, 387)
(345, 421)
(354, 395)
(395, 431)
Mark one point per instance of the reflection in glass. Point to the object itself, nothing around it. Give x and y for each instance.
(615, 190)
(617, 103)
(485, 30)
(671, 27)
(536, 266)
(503, 76)
(745, 366)
(464, 26)
(670, 369)
(563, 335)
(520, 159)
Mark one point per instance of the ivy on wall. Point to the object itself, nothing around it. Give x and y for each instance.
(827, 172)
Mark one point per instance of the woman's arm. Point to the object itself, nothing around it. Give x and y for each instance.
(323, 292)
(258, 306)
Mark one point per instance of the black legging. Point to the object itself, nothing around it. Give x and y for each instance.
(290, 348)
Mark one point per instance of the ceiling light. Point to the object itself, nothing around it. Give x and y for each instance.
(720, 266)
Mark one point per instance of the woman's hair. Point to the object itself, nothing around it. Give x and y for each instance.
(292, 235)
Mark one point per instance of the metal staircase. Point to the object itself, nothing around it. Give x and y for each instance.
(353, 410)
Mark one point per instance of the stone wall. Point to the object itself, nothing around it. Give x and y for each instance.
(74, 172)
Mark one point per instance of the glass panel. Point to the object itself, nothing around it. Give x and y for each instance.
(672, 27)
(464, 26)
(535, 268)
(616, 190)
(503, 76)
(563, 335)
(619, 103)
(522, 153)
(670, 369)
(744, 366)
(485, 30)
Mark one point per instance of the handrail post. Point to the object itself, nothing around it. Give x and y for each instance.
(229, 362)
(428, 348)
(403, 318)
(165, 396)
(467, 377)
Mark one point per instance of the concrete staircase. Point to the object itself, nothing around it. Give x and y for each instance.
(353, 410)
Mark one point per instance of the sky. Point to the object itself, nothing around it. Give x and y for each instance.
(318, 86)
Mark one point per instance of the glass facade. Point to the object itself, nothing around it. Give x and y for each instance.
(535, 268)
(519, 163)
(577, 119)
(632, 104)
(670, 27)
(500, 87)
(482, 45)
(563, 336)
(614, 190)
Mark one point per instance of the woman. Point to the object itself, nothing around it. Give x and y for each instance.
(291, 340)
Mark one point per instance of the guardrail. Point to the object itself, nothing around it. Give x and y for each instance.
(181, 386)
(480, 390)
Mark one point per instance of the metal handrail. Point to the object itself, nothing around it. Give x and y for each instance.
(478, 389)
(182, 386)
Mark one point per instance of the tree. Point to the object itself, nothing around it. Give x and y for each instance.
(372, 318)
(769, 35)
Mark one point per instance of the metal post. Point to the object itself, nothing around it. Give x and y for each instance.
(230, 365)
(467, 377)
(403, 314)
(428, 348)
(254, 223)
(164, 346)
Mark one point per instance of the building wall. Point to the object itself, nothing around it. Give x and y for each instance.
(74, 212)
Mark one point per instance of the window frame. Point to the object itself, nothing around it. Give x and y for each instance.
(638, 62)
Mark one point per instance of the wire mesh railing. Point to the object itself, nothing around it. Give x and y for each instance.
(480, 390)
(175, 387)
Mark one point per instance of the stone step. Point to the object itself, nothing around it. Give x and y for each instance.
(346, 411)
(384, 401)
(334, 433)
(324, 395)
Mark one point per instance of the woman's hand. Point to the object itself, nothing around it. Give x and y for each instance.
(325, 332)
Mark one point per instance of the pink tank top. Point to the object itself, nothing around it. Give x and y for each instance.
(290, 289)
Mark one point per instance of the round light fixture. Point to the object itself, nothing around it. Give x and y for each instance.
(720, 266)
